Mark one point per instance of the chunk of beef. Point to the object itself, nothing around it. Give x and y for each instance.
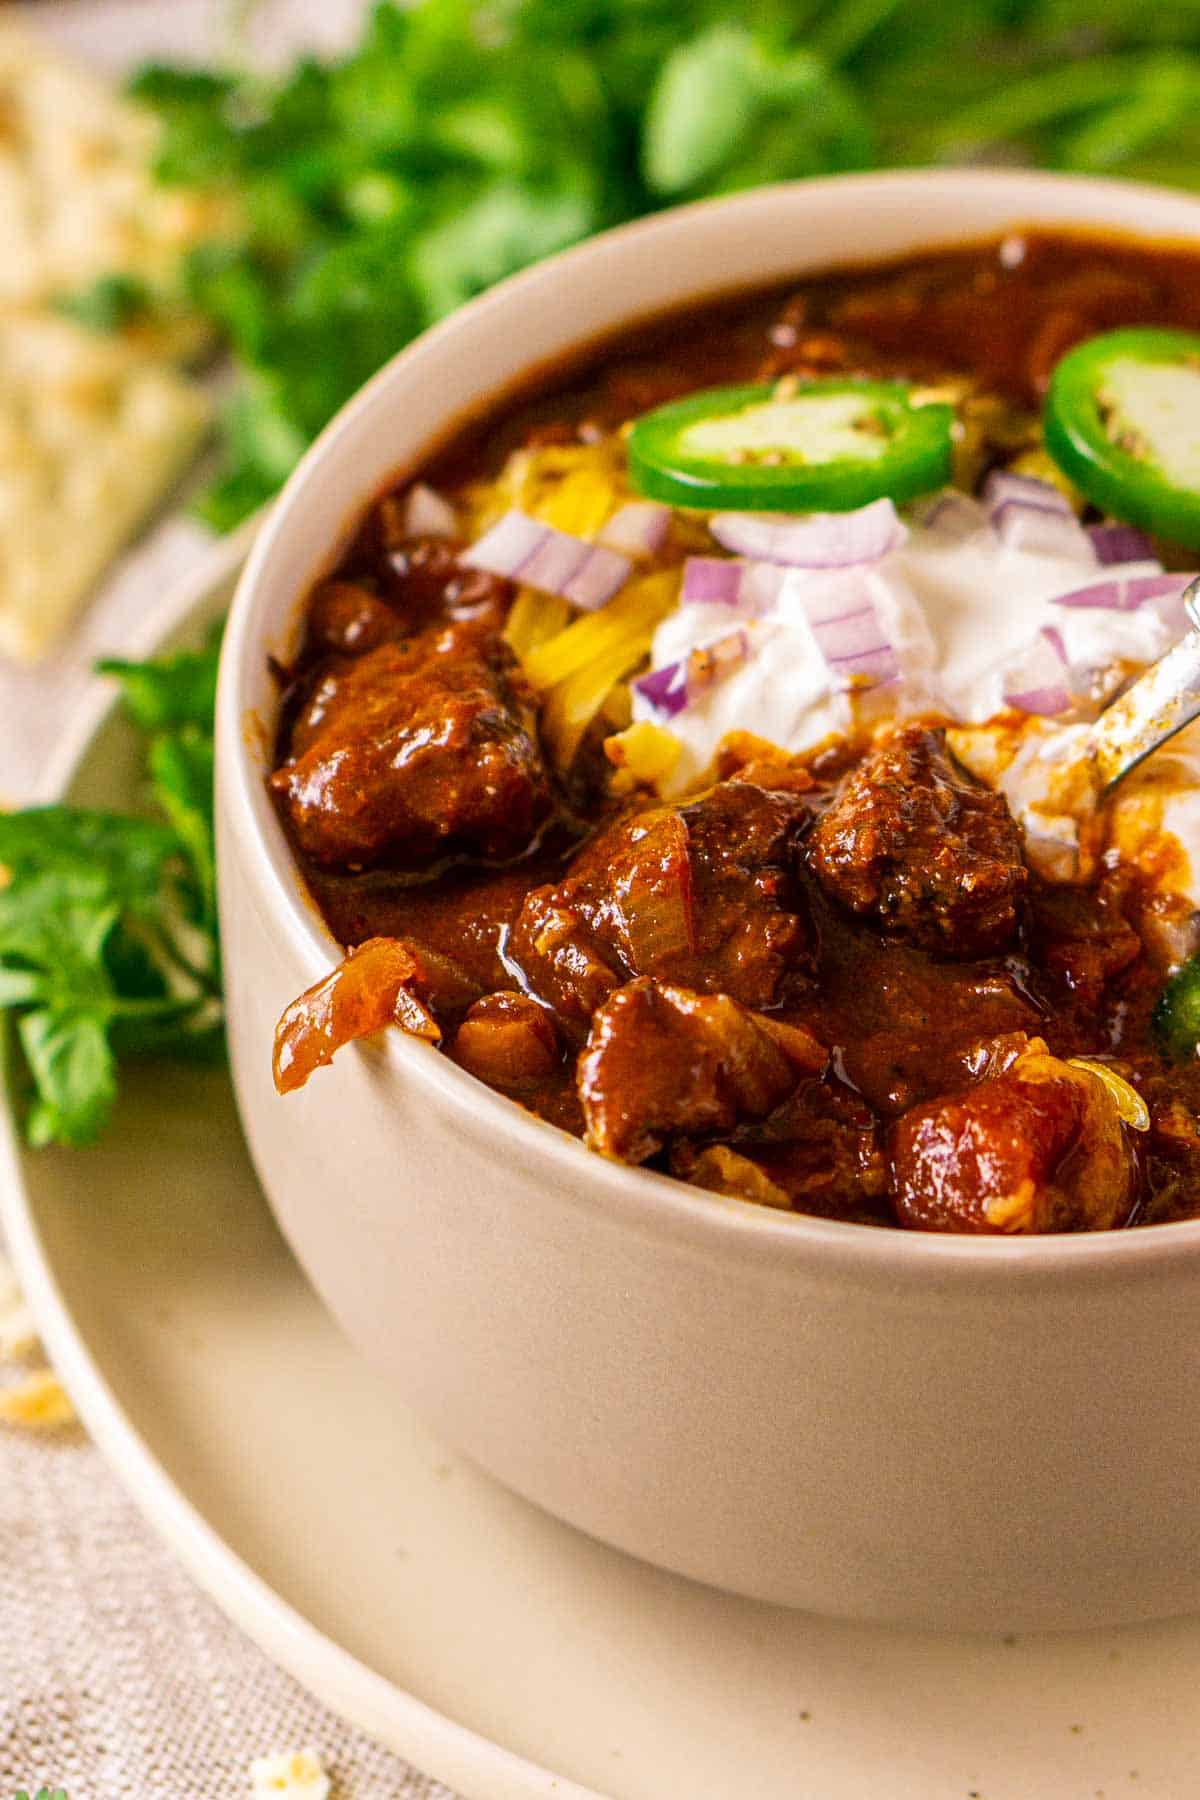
(923, 849)
(819, 1152)
(413, 751)
(1039, 1147)
(1084, 939)
(663, 1060)
(702, 894)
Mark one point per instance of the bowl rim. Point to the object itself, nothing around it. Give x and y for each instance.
(648, 1202)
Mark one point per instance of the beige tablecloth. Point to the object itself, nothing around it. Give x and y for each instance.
(119, 1679)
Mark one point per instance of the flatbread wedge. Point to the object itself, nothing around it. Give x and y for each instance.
(92, 434)
(78, 195)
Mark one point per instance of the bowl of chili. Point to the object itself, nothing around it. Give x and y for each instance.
(989, 1429)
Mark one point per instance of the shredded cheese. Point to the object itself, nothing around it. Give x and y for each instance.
(37, 1403)
(296, 1772)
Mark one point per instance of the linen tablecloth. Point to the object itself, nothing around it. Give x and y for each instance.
(119, 1679)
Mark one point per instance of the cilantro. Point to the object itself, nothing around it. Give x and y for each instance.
(462, 139)
(108, 944)
(172, 690)
(110, 304)
(458, 141)
(727, 112)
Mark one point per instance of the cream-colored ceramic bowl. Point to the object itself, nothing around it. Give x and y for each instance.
(872, 1423)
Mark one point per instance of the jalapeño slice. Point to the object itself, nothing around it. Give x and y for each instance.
(828, 446)
(1123, 421)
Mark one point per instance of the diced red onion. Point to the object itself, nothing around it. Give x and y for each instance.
(712, 580)
(850, 636)
(428, 513)
(1120, 544)
(554, 563)
(817, 541)
(954, 515)
(1045, 530)
(1126, 594)
(678, 684)
(1046, 702)
(637, 528)
(523, 549)
(1004, 486)
(602, 574)
(1033, 515)
(748, 587)
(1036, 682)
(665, 688)
(507, 545)
(871, 666)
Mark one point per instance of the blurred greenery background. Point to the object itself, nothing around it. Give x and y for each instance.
(462, 139)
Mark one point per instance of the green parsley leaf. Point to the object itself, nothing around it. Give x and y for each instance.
(179, 689)
(111, 303)
(181, 773)
(108, 931)
(74, 1069)
(461, 139)
(707, 101)
(507, 225)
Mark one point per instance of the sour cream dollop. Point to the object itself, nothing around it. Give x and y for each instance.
(957, 610)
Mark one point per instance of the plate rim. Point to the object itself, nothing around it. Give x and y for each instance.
(436, 1744)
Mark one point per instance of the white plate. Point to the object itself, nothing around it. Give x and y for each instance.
(471, 1633)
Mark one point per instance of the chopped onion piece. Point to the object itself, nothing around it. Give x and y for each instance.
(601, 575)
(637, 528)
(1045, 702)
(1120, 544)
(1131, 1108)
(655, 910)
(1003, 487)
(709, 580)
(675, 686)
(816, 541)
(428, 513)
(850, 636)
(748, 587)
(1032, 515)
(1127, 593)
(1043, 530)
(1036, 682)
(507, 545)
(523, 549)
(665, 688)
(873, 667)
(954, 515)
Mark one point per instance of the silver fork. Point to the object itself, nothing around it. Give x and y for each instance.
(1154, 707)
